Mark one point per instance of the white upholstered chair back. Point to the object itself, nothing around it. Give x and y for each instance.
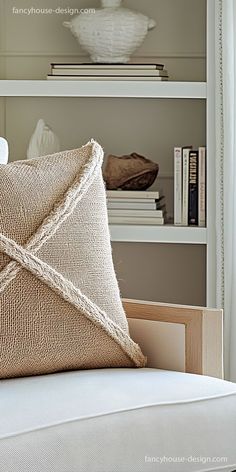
(3, 151)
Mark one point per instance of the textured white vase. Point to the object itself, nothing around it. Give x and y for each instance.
(3, 151)
(43, 141)
(111, 34)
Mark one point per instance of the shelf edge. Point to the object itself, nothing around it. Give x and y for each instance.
(163, 234)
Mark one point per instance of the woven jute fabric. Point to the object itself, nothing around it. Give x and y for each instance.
(60, 305)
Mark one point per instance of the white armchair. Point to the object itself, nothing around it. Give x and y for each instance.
(129, 420)
(163, 418)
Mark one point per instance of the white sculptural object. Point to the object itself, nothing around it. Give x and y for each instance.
(43, 141)
(111, 33)
(4, 151)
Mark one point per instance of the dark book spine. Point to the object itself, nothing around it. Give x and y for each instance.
(193, 189)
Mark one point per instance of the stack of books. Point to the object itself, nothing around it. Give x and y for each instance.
(88, 71)
(190, 186)
(133, 207)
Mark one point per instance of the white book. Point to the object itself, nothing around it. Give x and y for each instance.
(133, 194)
(91, 66)
(110, 72)
(136, 200)
(202, 186)
(177, 185)
(138, 213)
(117, 220)
(105, 77)
(185, 186)
(118, 205)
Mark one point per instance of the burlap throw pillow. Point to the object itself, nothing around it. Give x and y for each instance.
(60, 306)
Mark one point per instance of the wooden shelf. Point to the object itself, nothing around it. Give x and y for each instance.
(158, 234)
(128, 89)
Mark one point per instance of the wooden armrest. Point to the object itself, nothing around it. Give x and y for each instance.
(203, 332)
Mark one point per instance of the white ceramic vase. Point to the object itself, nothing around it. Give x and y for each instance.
(43, 141)
(112, 33)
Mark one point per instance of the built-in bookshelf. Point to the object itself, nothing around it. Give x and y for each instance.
(185, 91)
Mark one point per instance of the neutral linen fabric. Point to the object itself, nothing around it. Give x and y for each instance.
(109, 420)
(226, 175)
(60, 306)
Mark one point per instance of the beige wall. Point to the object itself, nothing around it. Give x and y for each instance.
(151, 127)
(161, 272)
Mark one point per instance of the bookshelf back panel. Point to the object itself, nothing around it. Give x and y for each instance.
(28, 43)
(167, 273)
(149, 127)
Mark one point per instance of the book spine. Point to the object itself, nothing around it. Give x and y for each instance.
(143, 195)
(107, 77)
(131, 206)
(185, 186)
(136, 213)
(193, 189)
(177, 185)
(109, 72)
(132, 66)
(146, 201)
(136, 221)
(202, 187)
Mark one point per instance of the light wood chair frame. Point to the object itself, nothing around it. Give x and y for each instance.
(203, 332)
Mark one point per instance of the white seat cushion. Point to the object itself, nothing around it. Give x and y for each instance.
(117, 420)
